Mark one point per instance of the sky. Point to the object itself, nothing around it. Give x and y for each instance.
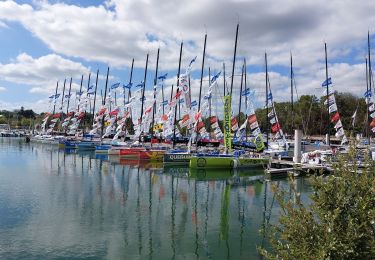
(42, 42)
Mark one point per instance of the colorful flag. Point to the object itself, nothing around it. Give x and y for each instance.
(252, 118)
(163, 77)
(332, 108)
(116, 85)
(338, 124)
(327, 82)
(340, 132)
(254, 125)
(275, 128)
(335, 117)
(234, 124)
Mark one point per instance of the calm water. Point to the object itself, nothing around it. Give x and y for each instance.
(56, 204)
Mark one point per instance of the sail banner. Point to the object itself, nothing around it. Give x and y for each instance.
(234, 124)
(335, 117)
(227, 123)
(259, 143)
(275, 128)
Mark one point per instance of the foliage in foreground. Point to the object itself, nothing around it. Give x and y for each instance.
(338, 224)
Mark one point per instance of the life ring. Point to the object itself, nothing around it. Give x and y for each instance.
(201, 162)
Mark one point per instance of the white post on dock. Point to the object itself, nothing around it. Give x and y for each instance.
(297, 146)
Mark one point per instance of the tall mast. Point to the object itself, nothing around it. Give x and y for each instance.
(177, 101)
(328, 123)
(96, 88)
(129, 91)
(162, 95)
(104, 99)
(224, 79)
(234, 62)
(54, 101)
(210, 97)
(144, 88)
(245, 72)
(367, 105)
(88, 88)
(154, 101)
(291, 89)
(200, 86)
(267, 122)
(70, 88)
(369, 61)
(80, 90)
(239, 105)
(62, 98)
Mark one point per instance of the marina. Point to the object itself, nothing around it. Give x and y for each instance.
(195, 130)
(60, 203)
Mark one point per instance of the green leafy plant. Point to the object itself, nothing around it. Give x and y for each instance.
(338, 223)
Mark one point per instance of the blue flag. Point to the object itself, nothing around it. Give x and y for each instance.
(214, 78)
(79, 93)
(193, 60)
(91, 93)
(194, 103)
(181, 101)
(270, 97)
(57, 95)
(327, 82)
(68, 96)
(163, 77)
(368, 94)
(139, 85)
(129, 86)
(142, 99)
(246, 92)
(51, 96)
(116, 85)
(207, 96)
(91, 87)
(164, 103)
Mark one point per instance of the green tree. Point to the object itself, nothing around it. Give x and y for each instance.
(338, 224)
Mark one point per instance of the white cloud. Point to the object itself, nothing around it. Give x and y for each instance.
(41, 73)
(2, 89)
(120, 30)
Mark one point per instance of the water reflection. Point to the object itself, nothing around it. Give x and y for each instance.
(74, 204)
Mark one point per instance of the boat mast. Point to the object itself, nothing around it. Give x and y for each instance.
(267, 122)
(369, 76)
(209, 97)
(239, 105)
(367, 114)
(130, 81)
(177, 101)
(70, 88)
(224, 79)
(96, 88)
(54, 101)
(200, 86)
(80, 90)
(245, 72)
(328, 124)
(154, 101)
(143, 90)
(369, 61)
(291, 89)
(104, 100)
(234, 62)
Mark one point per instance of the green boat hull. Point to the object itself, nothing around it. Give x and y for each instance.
(176, 159)
(209, 162)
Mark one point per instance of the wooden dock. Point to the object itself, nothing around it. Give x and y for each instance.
(282, 168)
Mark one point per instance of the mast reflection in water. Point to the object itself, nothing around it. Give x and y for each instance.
(71, 204)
